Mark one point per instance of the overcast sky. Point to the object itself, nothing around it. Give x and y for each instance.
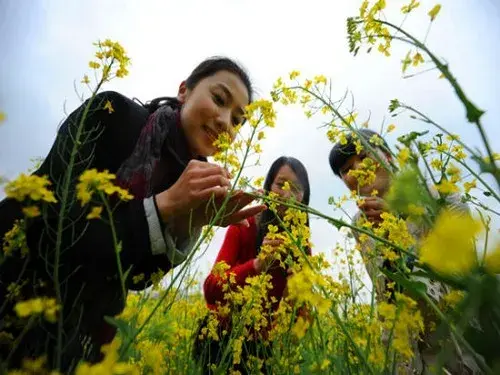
(47, 44)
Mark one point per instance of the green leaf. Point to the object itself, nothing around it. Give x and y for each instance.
(125, 329)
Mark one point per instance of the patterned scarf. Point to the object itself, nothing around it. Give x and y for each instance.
(136, 173)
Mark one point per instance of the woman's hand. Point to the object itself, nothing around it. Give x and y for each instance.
(195, 198)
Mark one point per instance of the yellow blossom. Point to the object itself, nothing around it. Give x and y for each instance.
(94, 65)
(92, 181)
(446, 187)
(403, 156)
(15, 239)
(300, 327)
(294, 74)
(470, 185)
(3, 116)
(320, 79)
(417, 59)
(408, 8)
(390, 128)
(434, 12)
(31, 211)
(36, 306)
(258, 182)
(449, 246)
(109, 106)
(95, 213)
(30, 187)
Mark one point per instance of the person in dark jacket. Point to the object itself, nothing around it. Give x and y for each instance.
(158, 152)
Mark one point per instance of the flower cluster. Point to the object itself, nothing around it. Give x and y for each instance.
(109, 54)
(91, 181)
(37, 306)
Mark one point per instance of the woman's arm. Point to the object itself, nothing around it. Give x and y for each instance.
(213, 286)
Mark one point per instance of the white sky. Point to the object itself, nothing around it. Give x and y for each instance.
(46, 46)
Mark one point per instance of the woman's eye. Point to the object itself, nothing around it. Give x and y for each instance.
(235, 120)
(219, 100)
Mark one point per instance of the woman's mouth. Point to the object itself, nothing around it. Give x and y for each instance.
(212, 136)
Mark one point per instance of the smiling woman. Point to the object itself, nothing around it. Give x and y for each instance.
(158, 153)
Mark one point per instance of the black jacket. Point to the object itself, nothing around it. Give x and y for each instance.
(88, 268)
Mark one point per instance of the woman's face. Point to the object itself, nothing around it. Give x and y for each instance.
(279, 186)
(214, 106)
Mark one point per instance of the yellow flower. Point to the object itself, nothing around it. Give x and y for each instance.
(320, 79)
(390, 128)
(94, 65)
(453, 298)
(446, 187)
(92, 181)
(403, 156)
(408, 8)
(258, 182)
(109, 107)
(86, 79)
(449, 248)
(15, 239)
(3, 116)
(95, 213)
(437, 164)
(300, 327)
(434, 12)
(31, 211)
(417, 59)
(36, 306)
(32, 187)
(294, 74)
(470, 185)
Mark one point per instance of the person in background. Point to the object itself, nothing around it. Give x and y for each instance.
(240, 251)
(343, 159)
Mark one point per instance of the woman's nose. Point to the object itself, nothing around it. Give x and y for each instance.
(223, 120)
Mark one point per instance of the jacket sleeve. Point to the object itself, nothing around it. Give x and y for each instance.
(213, 286)
(106, 139)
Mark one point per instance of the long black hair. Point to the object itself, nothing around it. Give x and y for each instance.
(205, 69)
(268, 216)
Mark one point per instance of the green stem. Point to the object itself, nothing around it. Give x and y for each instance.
(116, 246)
(60, 222)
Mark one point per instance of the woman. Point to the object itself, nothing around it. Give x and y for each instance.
(287, 178)
(158, 152)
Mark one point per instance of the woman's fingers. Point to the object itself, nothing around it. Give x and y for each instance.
(210, 181)
(243, 214)
(214, 192)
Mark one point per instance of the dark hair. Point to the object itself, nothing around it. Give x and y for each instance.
(206, 69)
(268, 216)
(341, 152)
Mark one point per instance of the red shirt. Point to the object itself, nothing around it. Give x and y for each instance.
(239, 252)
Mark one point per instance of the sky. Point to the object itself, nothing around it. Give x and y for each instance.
(46, 46)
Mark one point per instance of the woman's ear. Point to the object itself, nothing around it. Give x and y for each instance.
(183, 92)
